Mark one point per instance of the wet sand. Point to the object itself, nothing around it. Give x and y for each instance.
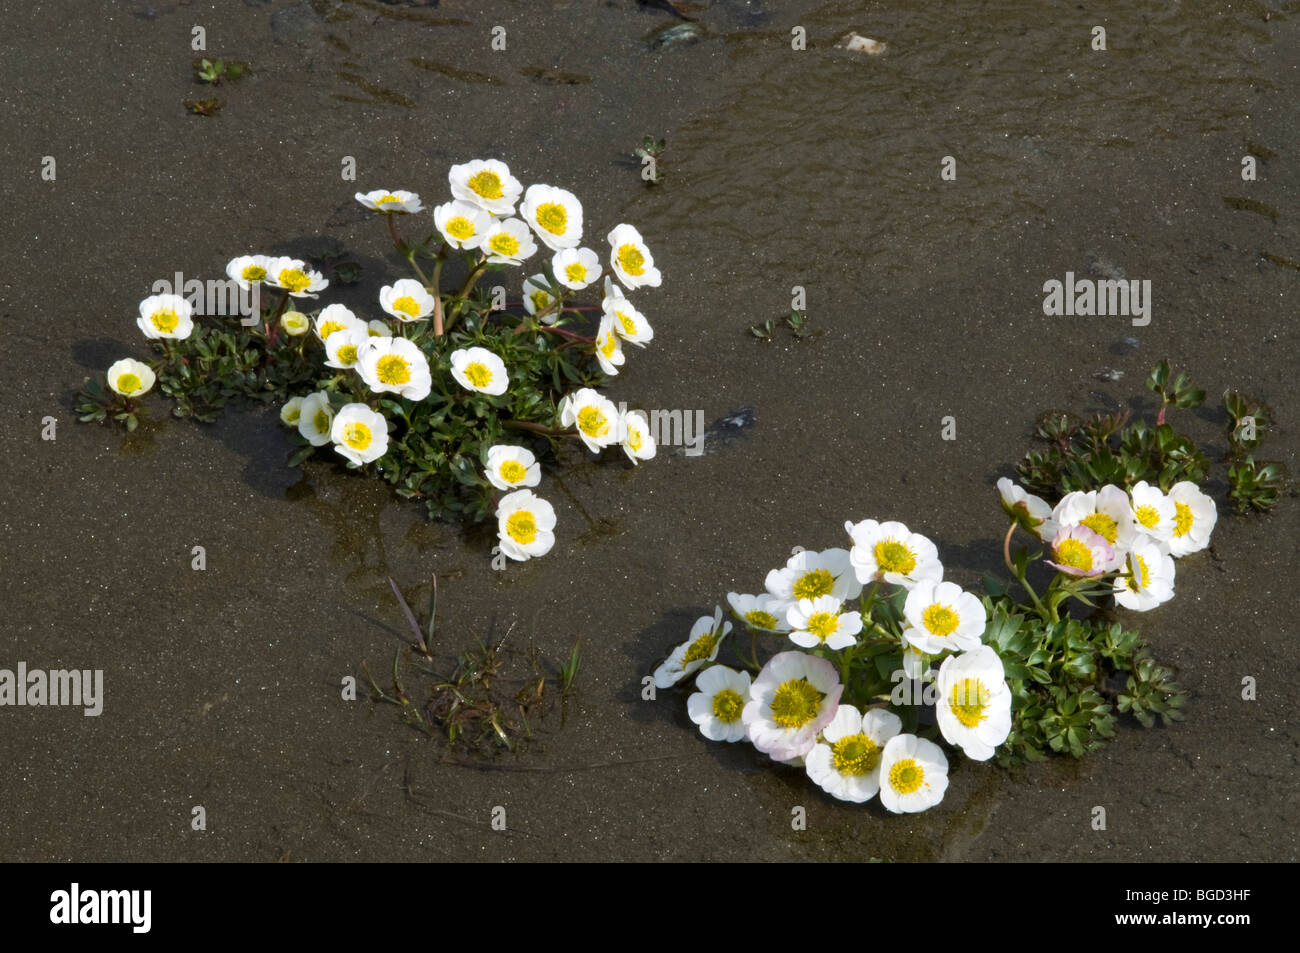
(818, 168)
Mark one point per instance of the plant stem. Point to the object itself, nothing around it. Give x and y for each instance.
(538, 428)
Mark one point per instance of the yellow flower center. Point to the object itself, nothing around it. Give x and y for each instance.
(478, 374)
(522, 527)
(855, 755)
(253, 273)
(329, 327)
(487, 184)
(727, 705)
(823, 624)
(387, 200)
(941, 620)
(540, 300)
(393, 370)
(294, 279)
(128, 383)
(1142, 577)
(295, 321)
(592, 422)
(1148, 516)
(795, 703)
(630, 257)
(609, 345)
(701, 648)
(760, 619)
(813, 583)
(460, 228)
(553, 217)
(348, 354)
(165, 320)
(893, 556)
(1074, 553)
(504, 244)
(357, 435)
(634, 438)
(969, 700)
(1102, 525)
(576, 272)
(906, 776)
(1182, 519)
(512, 471)
(407, 305)
(629, 326)
(322, 421)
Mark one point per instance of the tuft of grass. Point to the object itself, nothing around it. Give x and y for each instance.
(487, 697)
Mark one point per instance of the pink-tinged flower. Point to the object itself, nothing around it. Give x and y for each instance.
(1079, 551)
(793, 698)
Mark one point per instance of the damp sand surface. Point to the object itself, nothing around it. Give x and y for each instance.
(818, 168)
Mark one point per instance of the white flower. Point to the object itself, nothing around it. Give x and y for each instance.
(913, 774)
(316, 418)
(130, 378)
(793, 698)
(525, 525)
(294, 323)
(406, 300)
(359, 433)
(486, 183)
(1031, 512)
(698, 650)
(556, 216)
(576, 267)
(718, 703)
(387, 202)
(760, 611)
(631, 259)
(808, 575)
(462, 224)
(378, 329)
(892, 553)
(1147, 579)
(941, 616)
(166, 316)
(295, 277)
(1106, 512)
(1078, 551)
(291, 412)
(337, 317)
(609, 350)
(248, 270)
(509, 468)
(638, 443)
(343, 349)
(595, 416)
(508, 242)
(394, 365)
(1194, 519)
(629, 323)
(846, 763)
(1153, 512)
(478, 369)
(538, 297)
(819, 622)
(974, 705)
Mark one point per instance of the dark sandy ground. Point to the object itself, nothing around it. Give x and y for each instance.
(817, 168)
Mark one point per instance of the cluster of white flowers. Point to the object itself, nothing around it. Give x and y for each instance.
(1134, 535)
(792, 709)
(481, 217)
